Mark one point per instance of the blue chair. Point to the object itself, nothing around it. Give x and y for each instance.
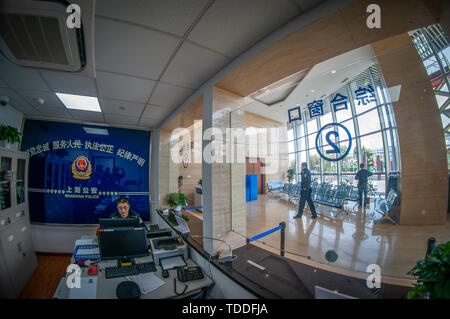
(297, 193)
(353, 196)
(288, 190)
(293, 191)
(384, 206)
(274, 186)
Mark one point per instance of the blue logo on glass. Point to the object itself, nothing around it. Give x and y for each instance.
(334, 148)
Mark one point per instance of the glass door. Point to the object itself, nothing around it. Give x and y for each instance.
(20, 181)
(5, 182)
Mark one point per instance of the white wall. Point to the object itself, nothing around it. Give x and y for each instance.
(58, 239)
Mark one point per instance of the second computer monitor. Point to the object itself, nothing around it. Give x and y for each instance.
(118, 222)
(122, 243)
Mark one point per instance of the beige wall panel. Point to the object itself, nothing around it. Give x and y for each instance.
(422, 147)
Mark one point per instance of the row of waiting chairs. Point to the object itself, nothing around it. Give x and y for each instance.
(336, 196)
(324, 193)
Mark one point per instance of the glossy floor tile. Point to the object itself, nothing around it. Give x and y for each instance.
(355, 238)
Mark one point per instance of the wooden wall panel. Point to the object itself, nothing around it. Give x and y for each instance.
(337, 33)
(255, 120)
(424, 186)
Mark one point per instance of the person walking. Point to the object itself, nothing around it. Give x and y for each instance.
(362, 177)
(305, 194)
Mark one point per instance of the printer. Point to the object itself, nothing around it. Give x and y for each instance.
(164, 247)
(153, 231)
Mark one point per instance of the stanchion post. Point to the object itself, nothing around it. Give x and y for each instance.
(283, 227)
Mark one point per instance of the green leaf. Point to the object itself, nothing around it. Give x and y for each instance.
(411, 294)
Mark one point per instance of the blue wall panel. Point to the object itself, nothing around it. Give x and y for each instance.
(75, 177)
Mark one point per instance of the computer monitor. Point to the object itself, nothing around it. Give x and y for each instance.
(118, 222)
(122, 243)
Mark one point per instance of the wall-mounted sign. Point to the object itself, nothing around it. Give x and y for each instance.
(76, 175)
(339, 102)
(315, 108)
(330, 151)
(295, 114)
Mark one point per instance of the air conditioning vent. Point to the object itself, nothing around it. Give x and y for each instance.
(34, 34)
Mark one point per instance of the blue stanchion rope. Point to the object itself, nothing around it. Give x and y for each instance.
(264, 234)
(191, 208)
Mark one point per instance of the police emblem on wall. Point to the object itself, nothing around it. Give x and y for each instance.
(81, 168)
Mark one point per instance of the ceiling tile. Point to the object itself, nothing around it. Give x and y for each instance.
(87, 115)
(50, 99)
(305, 5)
(55, 112)
(122, 87)
(121, 119)
(146, 122)
(154, 111)
(129, 49)
(170, 16)
(27, 110)
(3, 84)
(169, 95)
(21, 78)
(125, 108)
(232, 26)
(193, 65)
(65, 82)
(18, 102)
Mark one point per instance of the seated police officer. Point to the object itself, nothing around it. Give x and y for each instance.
(123, 211)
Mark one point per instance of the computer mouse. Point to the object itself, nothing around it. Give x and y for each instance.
(165, 273)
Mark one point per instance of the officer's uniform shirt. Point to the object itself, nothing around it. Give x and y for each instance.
(362, 176)
(306, 179)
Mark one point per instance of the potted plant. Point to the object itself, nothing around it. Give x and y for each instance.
(9, 134)
(176, 201)
(433, 275)
(290, 175)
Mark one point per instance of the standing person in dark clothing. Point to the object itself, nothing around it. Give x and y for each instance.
(305, 195)
(362, 177)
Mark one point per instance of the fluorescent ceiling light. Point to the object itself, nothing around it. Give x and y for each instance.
(79, 102)
(97, 131)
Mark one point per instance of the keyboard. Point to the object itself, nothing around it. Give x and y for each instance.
(114, 272)
(189, 273)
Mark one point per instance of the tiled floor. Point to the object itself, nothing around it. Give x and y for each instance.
(357, 241)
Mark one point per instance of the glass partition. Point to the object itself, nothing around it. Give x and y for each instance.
(354, 101)
(20, 182)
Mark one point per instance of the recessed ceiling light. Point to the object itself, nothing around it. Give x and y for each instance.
(79, 102)
(94, 130)
(333, 72)
(312, 91)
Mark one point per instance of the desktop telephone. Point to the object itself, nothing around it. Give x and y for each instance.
(189, 273)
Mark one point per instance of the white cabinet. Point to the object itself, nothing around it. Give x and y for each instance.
(17, 258)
